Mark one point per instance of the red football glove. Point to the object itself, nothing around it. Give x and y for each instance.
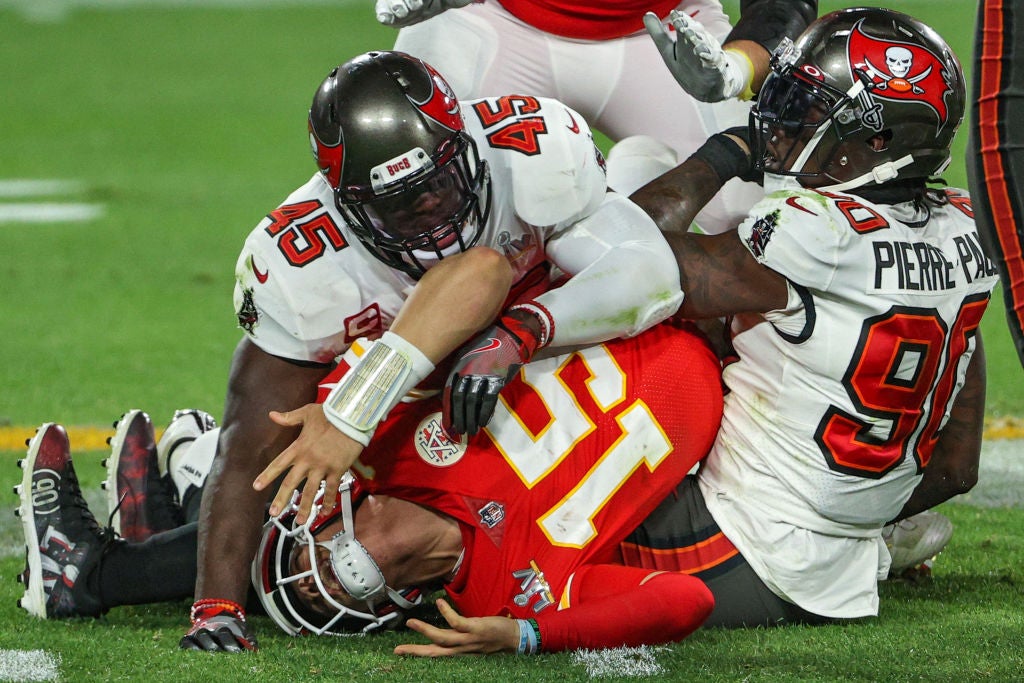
(484, 367)
(218, 626)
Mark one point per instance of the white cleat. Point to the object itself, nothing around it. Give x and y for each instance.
(916, 540)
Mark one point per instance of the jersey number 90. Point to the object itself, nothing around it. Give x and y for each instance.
(903, 372)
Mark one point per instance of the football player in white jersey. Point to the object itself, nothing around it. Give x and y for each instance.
(856, 290)
(426, 220)
(595, 56)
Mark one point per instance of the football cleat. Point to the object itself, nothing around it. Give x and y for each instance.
(63, 541)
(916, 540)
(142, 503)
(186, 426)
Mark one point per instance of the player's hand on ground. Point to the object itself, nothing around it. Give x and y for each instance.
(321, 453)
(400, 13)
(697, 59)
(467, 635)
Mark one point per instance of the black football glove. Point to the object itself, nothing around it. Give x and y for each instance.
(218, 626)
(484, 367)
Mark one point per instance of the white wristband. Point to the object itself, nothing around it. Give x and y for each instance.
(374, 385)
(745, 70)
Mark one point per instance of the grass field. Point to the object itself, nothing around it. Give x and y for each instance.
(172, 127)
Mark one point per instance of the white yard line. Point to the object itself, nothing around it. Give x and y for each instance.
(44, 212)
(1000, 476)
(11, 188)
(29, 665)
(620, 662)
(49, 212)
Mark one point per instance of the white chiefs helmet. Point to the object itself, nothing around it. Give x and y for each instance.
(289, 568)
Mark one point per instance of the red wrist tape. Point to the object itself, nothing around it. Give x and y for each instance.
(211, 607)
(547, 324)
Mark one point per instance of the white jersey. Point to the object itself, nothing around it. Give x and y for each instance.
(836, 402)
(307, 288)
(620, 85)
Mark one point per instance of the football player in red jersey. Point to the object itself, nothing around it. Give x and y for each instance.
(596, 57)
(523, 520)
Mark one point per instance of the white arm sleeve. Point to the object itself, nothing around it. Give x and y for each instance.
(624, 276)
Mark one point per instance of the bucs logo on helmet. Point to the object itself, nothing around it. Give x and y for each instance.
(900, 71)
(328, 156)
(442, 105)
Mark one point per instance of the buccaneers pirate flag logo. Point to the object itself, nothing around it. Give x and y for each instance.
(901, 71)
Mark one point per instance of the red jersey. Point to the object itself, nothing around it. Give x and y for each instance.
(581, 448)
(588, 19)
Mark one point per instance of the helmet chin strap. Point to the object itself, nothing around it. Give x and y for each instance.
(882, 173)
(812, 144)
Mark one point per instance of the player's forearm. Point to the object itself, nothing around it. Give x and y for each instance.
(232, 513)
(665, 608)
(674, 199)
(454, 300)
(767, 22)
(762, 26)
(230, 522)
(953, 468)
(624, 279)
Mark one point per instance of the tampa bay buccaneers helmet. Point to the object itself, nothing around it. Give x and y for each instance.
(293, 568)
(865, 95)
(388, 135)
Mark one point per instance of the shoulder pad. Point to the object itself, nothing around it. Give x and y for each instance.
(288, 311)
(793, 233)
(557, 174)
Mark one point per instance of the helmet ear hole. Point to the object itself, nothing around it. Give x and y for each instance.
(880, 142)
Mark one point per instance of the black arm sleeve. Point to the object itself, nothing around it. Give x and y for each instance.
(767, 22)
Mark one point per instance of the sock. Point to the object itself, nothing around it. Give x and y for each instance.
(161, 568)
(190, 462)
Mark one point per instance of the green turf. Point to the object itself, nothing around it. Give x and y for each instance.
(965, 623)
(188, 125)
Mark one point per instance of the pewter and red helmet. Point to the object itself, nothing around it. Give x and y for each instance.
(388, 135)
(875, 95)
